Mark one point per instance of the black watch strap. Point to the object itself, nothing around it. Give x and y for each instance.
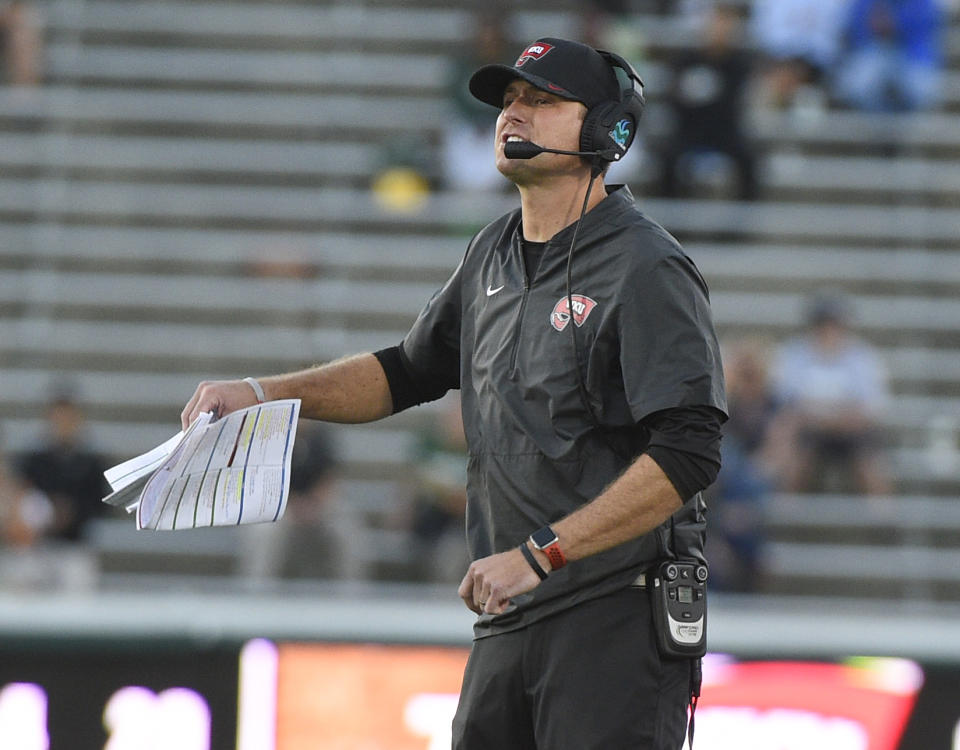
(533, 561)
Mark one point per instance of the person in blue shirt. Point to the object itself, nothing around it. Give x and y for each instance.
(894, 58)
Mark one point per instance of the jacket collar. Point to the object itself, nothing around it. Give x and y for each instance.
(618, 199)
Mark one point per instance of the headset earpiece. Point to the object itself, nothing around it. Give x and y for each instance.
(611, 126)
(609, 129)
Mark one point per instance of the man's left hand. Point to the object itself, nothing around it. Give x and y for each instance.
(491, 581)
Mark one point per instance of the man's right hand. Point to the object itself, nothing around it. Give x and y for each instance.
(219, 396)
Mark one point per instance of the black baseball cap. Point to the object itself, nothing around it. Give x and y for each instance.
(562, 67)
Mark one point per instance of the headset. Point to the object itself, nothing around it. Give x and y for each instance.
(610, 127)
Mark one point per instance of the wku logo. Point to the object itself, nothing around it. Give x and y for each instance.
(533, 52)
(582, 306)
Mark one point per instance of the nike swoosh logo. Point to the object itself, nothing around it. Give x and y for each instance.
(491, 291)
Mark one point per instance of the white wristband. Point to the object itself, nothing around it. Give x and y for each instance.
(257, 389)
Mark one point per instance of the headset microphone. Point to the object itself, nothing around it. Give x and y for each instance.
(528, 149)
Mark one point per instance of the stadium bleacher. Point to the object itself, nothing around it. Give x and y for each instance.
(188, 196)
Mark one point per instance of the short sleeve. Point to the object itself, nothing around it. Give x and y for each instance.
(669, 352)
(431, 348)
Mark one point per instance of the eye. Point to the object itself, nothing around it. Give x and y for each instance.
(510, 95)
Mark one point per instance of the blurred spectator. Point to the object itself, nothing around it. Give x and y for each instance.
(735, 501)
(401, 180)
(691, 16)
(468, 140)
(20, 43)
(799, 41)
(65, 468)
(25, 513)
(893, 58)
(595, 18)
(707, 97)
(753, 406)
(759, 434)
(440, 498)
(833, 389)
(29, 562)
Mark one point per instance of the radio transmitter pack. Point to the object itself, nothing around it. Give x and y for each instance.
(679, 591)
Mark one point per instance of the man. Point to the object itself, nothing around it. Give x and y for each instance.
(588, 424)
(831, 389)
(706, 96)
(65, 467)
(894, 56)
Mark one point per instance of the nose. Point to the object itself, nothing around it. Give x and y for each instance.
(514, 111)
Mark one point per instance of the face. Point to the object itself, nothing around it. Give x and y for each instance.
(722, 28)
(532, 114)
(830, 334)
(65, 420)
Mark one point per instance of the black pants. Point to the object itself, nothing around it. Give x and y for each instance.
(590, 677)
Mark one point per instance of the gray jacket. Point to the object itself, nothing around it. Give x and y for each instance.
(647, 343)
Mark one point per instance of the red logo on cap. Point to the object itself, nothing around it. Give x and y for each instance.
(533, 52)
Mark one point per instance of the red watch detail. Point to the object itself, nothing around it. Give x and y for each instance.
(545, 540)
(556, 556)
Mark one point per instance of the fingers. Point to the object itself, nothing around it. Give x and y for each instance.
(474, 592)
(495, 603)
(202, 400)
(490, 582)
(479, 595)
(465, 590)
(187, 415)
(219, 396)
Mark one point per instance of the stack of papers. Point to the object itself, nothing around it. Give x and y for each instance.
(218, 472)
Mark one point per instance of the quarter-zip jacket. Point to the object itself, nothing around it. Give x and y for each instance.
(646, 342)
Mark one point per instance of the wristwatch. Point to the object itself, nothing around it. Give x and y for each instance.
(546, 541)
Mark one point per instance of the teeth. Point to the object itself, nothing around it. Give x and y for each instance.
(514, 139)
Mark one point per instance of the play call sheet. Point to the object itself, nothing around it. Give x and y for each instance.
(226, 472)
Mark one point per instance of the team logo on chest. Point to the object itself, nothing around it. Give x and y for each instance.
(582, 307)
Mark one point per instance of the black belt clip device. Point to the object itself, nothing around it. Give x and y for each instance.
(679, 591)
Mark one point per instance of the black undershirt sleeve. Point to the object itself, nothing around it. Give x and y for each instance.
(407, 388)
(685, 443)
